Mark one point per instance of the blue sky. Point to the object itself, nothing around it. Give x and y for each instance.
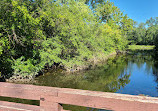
(138, 10)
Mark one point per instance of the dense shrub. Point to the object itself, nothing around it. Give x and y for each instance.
(36, 33)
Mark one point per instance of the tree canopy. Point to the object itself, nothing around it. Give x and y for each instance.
(145, 33)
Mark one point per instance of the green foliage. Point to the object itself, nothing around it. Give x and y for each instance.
(24, 68)
(145, 33)
(39, 33)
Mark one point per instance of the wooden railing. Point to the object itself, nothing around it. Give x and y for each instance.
(51, 99)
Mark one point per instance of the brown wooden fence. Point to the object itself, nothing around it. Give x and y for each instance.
(51, 99)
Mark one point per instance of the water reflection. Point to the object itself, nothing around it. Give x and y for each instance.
(143, 80)
(155, 67)
(135, 73)
(108, 77)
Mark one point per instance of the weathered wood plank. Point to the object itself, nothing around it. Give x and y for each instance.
(105, 100)
(22, 91)
(51, 97)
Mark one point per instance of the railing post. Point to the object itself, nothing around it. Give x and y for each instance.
(48, 105)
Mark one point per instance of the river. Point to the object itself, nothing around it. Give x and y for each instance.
(135, 73)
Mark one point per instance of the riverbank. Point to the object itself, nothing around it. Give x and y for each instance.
(90, 64)
(93, 62)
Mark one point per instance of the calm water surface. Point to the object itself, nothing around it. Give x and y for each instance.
(135, 73)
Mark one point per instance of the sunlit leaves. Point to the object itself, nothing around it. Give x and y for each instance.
(36, 33)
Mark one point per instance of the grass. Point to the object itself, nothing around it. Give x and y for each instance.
(141, 47)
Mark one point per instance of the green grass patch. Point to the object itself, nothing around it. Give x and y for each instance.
(141, 47)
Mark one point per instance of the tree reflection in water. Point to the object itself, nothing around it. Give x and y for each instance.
(108, 77)
(155, 66)
(111, 76)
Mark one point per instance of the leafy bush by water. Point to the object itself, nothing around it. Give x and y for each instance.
(39, 33)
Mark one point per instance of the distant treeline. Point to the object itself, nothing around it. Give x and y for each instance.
(145, 33)
(37, 34)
